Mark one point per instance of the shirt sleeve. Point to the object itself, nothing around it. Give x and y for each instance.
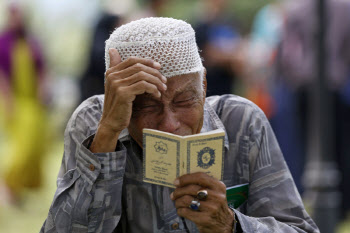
(274, 204)
(89, 186)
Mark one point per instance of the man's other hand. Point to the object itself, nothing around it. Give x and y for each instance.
(213, 215)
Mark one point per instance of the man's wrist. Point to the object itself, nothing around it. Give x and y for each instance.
(105, 140)
(234, 224)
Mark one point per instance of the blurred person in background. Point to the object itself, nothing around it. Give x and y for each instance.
(260, 57)
(218, 37)
(92, 80)
(268, 91)
(261, 85)
(21, 78)
(297, 68)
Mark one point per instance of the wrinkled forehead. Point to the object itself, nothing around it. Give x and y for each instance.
(168, 41)
(181, 83)
(177, 85)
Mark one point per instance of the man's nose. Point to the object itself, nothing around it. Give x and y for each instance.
(168, 121)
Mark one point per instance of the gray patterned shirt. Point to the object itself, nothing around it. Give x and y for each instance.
(104, 192)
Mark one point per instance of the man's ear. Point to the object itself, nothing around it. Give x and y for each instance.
(204, 83)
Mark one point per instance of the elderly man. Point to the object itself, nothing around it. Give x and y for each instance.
(155, 79)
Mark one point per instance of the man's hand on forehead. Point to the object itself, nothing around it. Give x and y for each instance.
(124, 81)
(134, 70)
(135, 63)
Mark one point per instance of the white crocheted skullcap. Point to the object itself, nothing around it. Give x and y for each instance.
(169, 41)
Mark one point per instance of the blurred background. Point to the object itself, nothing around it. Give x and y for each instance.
(290, 57)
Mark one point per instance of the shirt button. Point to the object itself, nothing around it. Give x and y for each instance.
(175, 226)
(92, 167)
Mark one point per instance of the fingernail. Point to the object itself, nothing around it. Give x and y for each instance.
(156, 65)
(159, 94)
(165, 87)
(176, 182)
(164, 79)
(172, 196)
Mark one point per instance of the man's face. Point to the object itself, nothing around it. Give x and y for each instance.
(179, 110)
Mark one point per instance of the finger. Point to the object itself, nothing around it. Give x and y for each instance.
(146, 61)
(211, 205)
(142, 76)
(183, 201)
(140, 88)
(195, 216)
(201, 179)
(132, 61)
(185, 190)
(114, 57)
(192, 190)
(134, 69)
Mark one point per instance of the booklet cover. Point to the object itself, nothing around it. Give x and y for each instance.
(167, 156)
(237, 195)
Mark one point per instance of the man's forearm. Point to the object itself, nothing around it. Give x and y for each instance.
(104, 141)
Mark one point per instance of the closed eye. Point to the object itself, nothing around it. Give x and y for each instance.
(147, 108)
(185, 102)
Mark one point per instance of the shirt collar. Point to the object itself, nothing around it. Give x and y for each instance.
(124, 135)
(212, 122)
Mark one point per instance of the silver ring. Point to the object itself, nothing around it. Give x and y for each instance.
(195, 205)
(202, 194)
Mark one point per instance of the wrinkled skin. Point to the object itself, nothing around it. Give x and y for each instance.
(137, 96)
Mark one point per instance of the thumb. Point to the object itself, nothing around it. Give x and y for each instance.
(114, 57)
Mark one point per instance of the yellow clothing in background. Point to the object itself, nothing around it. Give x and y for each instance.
(27, 126)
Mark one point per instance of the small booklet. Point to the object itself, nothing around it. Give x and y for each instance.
(237, 195)
(167, 156)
